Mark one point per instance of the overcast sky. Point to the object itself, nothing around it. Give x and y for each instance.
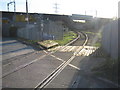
(104, 8)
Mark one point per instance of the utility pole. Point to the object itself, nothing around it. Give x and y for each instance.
(14, 6)
(27, 18)
(56, 8)
(8, 6)
(11, 4)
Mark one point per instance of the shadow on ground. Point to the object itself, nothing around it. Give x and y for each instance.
(86, 77)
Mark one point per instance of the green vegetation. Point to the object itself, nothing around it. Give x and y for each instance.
(95, 36)
(33, 41)
(68, 36)
(97, 44)
(90, 33)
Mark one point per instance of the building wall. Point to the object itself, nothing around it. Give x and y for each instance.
(110, 39)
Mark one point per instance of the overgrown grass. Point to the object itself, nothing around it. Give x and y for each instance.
(68, 36)
(89, 32)
(94, 35)
(97, 44)
(32, 41)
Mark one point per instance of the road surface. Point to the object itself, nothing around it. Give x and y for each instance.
(25, 67)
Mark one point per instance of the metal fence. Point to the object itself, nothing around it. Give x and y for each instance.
(31, 32)
(110, 39)
(51, 30)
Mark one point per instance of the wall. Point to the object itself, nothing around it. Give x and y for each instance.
(110, 39)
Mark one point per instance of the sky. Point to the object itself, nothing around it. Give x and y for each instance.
(104, 8)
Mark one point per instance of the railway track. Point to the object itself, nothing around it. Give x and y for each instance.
(51, 76)
(31, 53)
(56, 71)
(35, 60)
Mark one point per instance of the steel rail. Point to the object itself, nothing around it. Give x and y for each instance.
(31, 53)
(60, 68)
(43, 56)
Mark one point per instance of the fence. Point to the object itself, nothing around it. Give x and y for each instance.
(51, 30)
(31, 32)
(110, 39)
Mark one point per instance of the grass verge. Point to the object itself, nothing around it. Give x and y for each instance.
(68, 36)
(97, 44)
(94, 37)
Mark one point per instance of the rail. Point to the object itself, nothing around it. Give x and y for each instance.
(43, 56)
(51, 76)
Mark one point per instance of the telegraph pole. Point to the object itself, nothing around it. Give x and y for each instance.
(14, 6)
(8, 6)
(27, 18)
(14, 18)
(11, 4)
